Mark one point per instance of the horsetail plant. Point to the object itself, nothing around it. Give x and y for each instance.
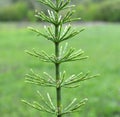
(57, 33)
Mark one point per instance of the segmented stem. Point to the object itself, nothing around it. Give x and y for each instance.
(57, 71)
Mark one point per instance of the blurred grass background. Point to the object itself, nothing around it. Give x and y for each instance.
(100, 41)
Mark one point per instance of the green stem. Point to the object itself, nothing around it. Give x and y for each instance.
(57, 71)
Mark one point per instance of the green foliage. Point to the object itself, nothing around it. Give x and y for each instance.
(89, 10)
(30, 15)
(30, 3)
(104, 11)
(108, 11)
(57, 33)
(16, 12)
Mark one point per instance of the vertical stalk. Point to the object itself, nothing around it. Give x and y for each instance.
(57, 73)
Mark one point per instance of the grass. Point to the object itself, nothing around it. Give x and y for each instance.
(101, 42)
